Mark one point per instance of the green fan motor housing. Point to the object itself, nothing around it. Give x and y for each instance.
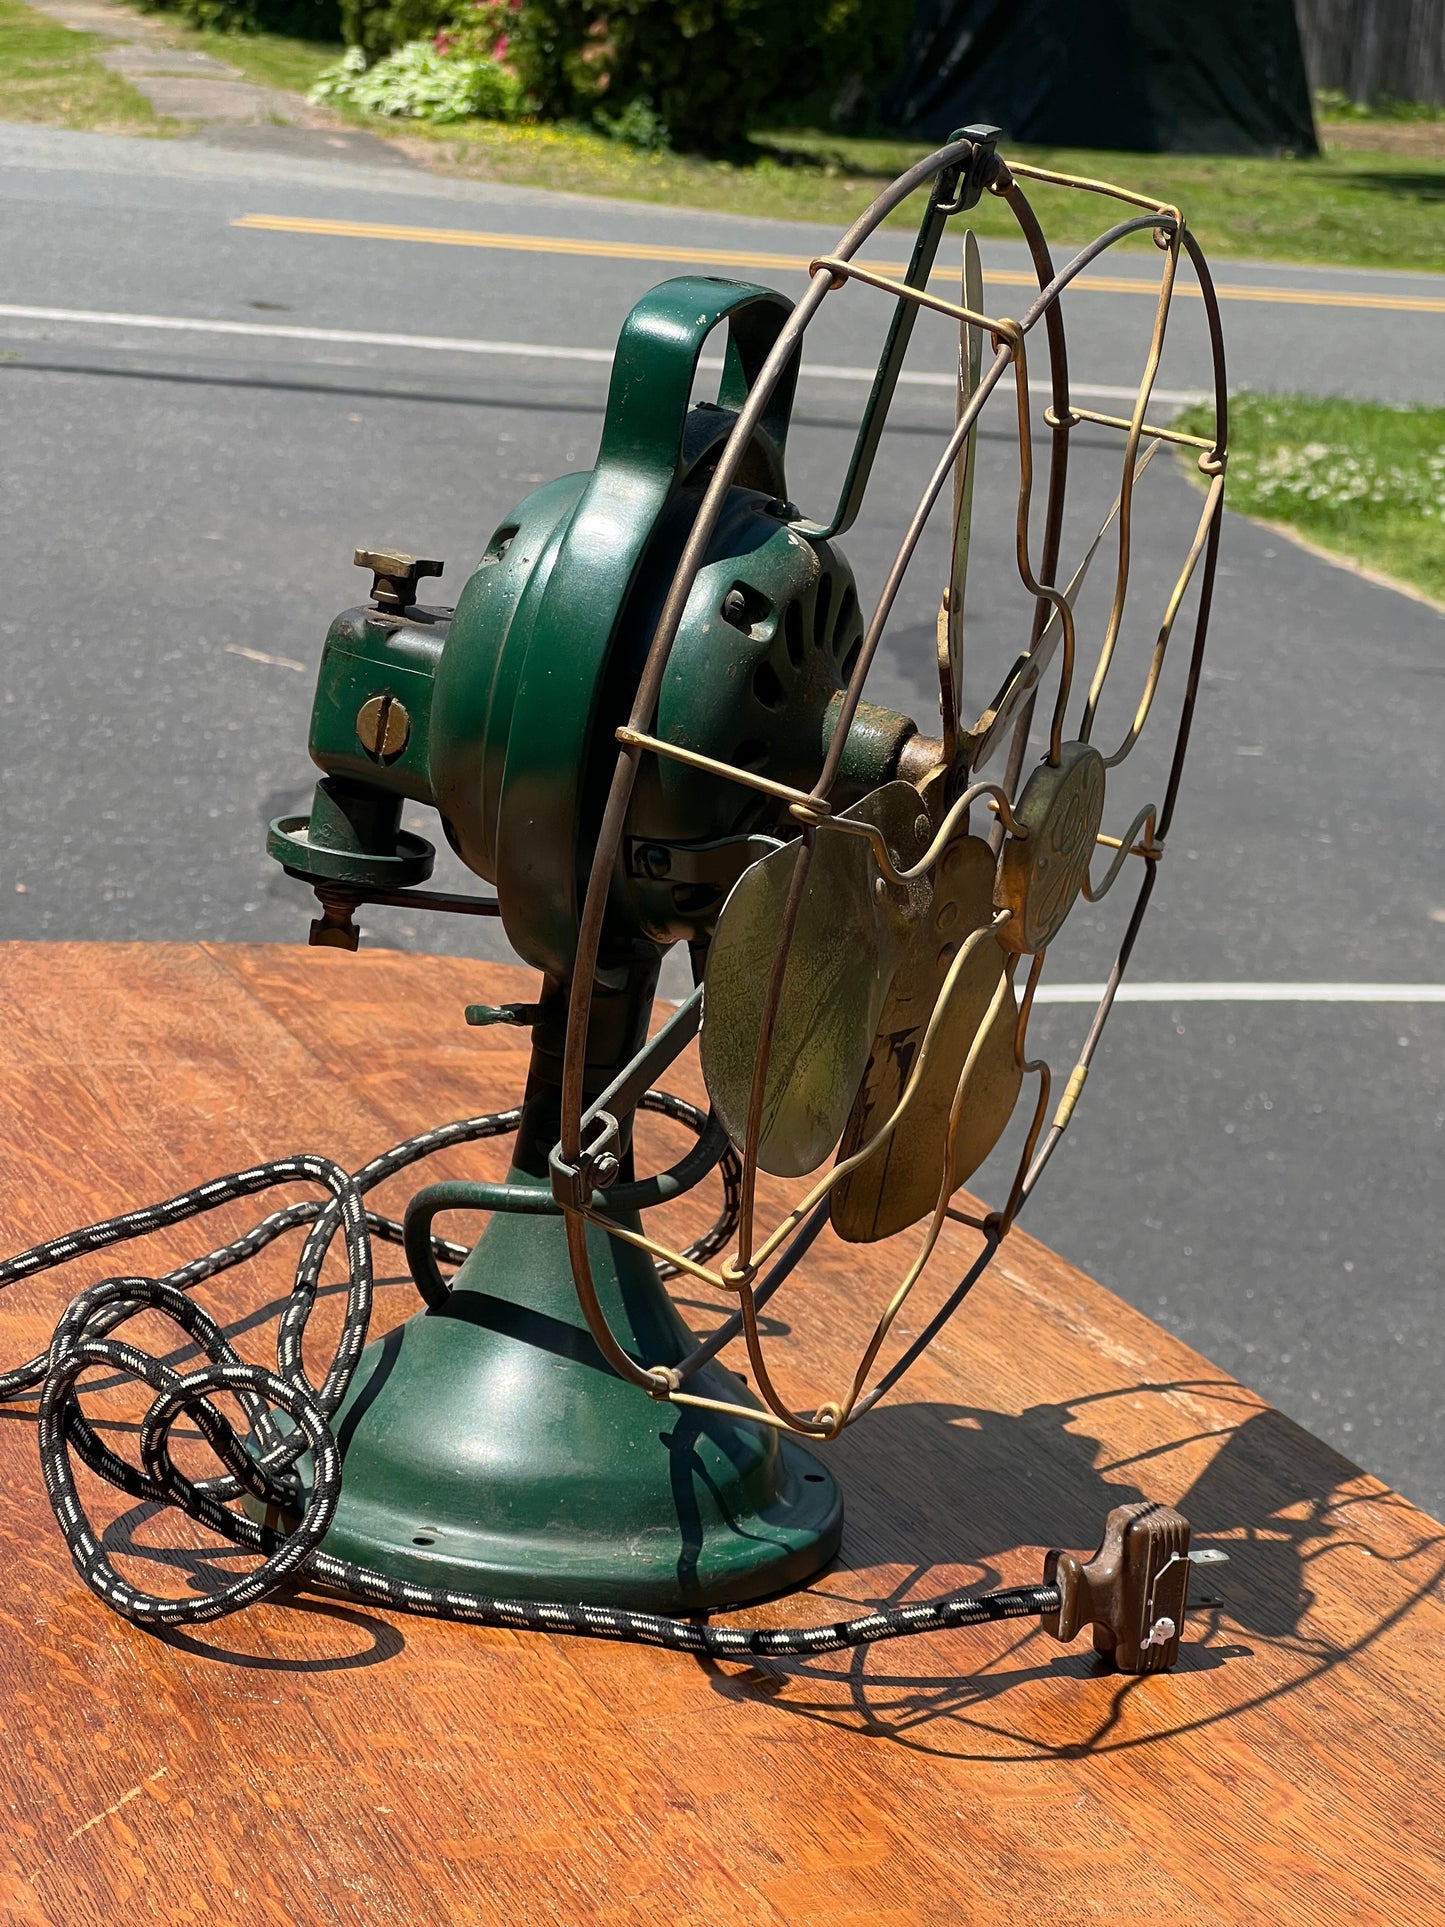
(487, 1443)
(509, 703)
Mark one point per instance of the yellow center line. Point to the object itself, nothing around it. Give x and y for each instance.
(448, 237)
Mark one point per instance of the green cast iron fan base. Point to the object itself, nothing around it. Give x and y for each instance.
(489, 1448)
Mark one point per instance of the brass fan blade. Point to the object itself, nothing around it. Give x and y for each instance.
(899, 1184)
(1041, 874)
(851, 931)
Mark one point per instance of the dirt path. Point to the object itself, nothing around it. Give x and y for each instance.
(1420, 140)
(215, 100)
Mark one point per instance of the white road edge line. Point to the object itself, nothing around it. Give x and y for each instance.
(1245, 994)
(515, 350)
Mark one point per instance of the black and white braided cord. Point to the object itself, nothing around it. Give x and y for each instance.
(263, 1468)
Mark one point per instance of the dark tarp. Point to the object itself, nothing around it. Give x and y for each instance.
(1150, 76)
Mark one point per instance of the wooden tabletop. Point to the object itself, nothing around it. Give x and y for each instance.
(314, 1761)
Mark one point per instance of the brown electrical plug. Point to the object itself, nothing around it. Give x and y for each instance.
(1133, 1592)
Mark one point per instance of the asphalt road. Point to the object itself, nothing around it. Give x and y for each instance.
(180, 509)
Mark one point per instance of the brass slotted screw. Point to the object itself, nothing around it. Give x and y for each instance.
(383, 725)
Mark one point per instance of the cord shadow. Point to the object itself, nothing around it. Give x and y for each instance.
(387, 1641)
(932, 1488)
(204, 1570)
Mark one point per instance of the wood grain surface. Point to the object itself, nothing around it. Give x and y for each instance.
(319, 1762)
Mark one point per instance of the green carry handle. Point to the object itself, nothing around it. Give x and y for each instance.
(576, 609)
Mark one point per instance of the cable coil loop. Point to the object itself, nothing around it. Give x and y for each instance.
(262, 1467)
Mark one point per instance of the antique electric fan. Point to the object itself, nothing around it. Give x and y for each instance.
(645, 724)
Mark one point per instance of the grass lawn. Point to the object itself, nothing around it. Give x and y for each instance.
(1363, 481)
(270, 59)
(51, 75)
(1355, 207)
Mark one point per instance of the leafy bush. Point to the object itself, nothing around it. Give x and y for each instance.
(380, 27)
(419, 83)
(469, 27)
(304, 19)
(638, 125)
(702, 68)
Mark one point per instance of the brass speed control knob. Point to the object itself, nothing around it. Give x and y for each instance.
(394, 576)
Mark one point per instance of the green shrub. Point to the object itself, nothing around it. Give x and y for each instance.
(419, 83)
(303, 19)
(702, 68)
(638, 125)
(380, 27)
(473, 27)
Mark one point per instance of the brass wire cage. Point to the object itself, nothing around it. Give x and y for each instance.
(763, 1258)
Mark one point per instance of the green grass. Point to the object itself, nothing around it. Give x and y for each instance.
(1355, 208)
(50, 74)
(1364, 481)
(270, 59)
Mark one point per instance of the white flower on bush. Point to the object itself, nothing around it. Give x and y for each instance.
(418, 83)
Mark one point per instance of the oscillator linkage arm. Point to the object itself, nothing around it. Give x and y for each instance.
(335, 928)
